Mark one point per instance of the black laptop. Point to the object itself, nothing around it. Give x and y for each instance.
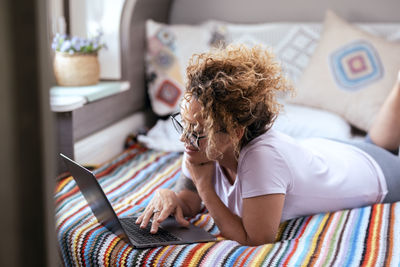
(169, 232)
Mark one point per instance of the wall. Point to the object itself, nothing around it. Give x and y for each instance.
(57, 19)
(194, 11)
(87, 16)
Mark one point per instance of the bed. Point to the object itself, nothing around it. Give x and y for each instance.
(363, 236)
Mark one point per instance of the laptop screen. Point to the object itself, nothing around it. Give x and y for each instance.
(95, 197)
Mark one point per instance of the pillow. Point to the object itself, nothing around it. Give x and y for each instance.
(293, 43)
(304, 122)
(162, 137)
(169, 48)
(350, 73)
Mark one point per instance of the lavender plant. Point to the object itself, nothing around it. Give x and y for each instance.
(66, 44)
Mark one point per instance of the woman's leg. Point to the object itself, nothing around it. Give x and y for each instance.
(385, 131)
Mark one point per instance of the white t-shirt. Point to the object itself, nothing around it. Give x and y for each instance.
(316, 175)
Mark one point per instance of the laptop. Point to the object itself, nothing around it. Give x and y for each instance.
(170, 232)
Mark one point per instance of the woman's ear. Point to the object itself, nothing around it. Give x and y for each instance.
(239, 132)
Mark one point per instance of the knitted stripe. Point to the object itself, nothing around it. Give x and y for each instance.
(350, 237)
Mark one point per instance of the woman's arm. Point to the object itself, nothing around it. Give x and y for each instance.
(261, 215)
(260, 219)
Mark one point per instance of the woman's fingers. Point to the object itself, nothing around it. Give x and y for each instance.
(165, 212)
(179, 217)
(176, 210)
(148, 214)
(169, 205)
(155, 223)
(162, 205)
(140, 218)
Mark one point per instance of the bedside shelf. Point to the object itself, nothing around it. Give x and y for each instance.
(77, 122)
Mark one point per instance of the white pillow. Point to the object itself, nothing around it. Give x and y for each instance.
(303, 122)
(162, 137)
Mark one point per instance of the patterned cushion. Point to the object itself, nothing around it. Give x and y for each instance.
(297, 48)
(294, 43)
(169, 48)
(356, 64)
(350, 73)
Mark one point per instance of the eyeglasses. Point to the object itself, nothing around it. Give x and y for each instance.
(192, 137)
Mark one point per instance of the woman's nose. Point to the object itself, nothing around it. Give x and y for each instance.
(183, 138)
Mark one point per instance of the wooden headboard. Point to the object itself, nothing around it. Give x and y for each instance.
(136, 12)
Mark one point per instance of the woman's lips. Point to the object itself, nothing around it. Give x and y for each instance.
(190, 150)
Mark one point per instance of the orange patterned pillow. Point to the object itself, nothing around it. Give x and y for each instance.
(169, 48)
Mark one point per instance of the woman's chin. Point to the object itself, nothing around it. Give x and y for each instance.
(191, 155)
(194, 156)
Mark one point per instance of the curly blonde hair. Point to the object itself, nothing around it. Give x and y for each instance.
(236, 87)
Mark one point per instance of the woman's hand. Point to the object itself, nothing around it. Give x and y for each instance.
(201, 173)
(164, 203)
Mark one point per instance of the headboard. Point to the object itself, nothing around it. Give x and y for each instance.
(252, 11)
(136, 12)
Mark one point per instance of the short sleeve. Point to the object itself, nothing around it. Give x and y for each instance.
(263, 171)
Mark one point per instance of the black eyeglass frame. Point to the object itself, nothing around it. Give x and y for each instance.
(181, 130)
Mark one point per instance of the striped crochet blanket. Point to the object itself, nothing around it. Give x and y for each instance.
(368, 236)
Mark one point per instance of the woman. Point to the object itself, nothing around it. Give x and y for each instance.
(251, 177)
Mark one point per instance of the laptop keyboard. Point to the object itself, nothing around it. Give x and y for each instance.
(143, 236)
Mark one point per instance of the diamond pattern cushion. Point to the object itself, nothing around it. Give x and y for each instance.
(350, 73)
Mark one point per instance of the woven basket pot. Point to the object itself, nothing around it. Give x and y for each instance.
(77, 69)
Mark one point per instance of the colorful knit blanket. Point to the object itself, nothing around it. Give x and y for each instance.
(368, 236)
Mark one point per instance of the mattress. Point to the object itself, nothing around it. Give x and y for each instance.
(362, 236)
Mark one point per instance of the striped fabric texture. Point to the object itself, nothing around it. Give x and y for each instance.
(368, 236)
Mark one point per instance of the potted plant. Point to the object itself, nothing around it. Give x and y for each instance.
(75, 60)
